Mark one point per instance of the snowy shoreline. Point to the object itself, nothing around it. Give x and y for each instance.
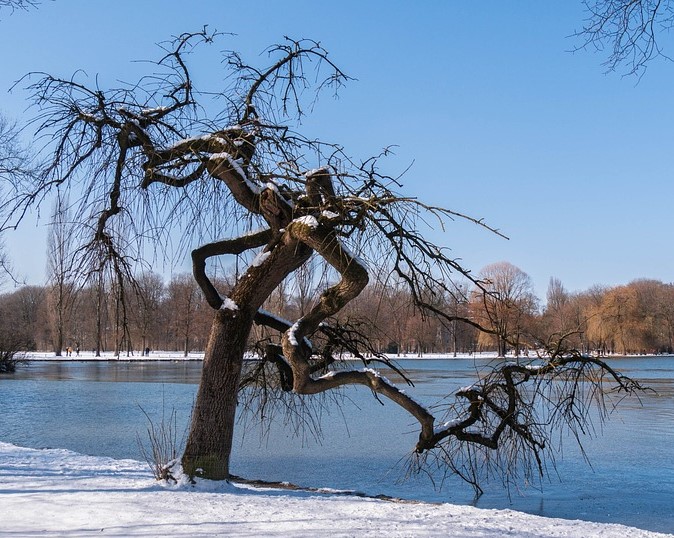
(85, 356)
(78, 495)
(158, 356)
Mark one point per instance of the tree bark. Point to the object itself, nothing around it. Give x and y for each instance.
(209, 444)
(501, 346)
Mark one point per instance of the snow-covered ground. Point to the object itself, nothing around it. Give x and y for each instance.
(110, 356)
(60, 493)
(199, 355)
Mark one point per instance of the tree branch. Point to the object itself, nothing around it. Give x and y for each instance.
(220, 248)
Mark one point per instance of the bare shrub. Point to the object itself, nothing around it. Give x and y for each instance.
(163, 449)
(9, 358)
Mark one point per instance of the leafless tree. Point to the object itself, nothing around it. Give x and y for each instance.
(184, 301)
(153, 154)
(14, 166)
(629, 31)
(61, 284)
(101, 309)
(147, 300)
(14, 5)
(5, 265)
(563, 316)
(461, 335)
(505, 302)
(14, 158)
(14, 336)
(20, 317)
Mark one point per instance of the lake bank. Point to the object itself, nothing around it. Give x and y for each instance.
(199, 356)
(77, 495)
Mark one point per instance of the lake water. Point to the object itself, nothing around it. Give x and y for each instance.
(95, 408)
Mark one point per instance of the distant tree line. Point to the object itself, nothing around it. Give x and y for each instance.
(58, 317)
(172, 316)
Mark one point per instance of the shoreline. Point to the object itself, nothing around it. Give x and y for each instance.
(80, 495)
(168, 356)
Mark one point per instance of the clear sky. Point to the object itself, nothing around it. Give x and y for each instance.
(499, 118)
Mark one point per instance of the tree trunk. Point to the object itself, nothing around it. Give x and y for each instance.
(209, 444)
(501, 347)
(99, 314)
(58, 345)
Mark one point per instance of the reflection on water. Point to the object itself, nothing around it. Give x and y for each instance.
(95, 408)
(113, 371)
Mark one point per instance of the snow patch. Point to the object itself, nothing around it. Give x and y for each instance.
(237, 165)
(353, 257)
(315, 171)
(446, 426)
(228, 304)
(260, 258)
(378, 375)
(307, 220)
(155, 110)
(78, 495)
(292, 338)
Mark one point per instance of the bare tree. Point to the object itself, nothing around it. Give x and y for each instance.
(562, 315)
(505, 302)
(183, 301)
(5, 265)
(147, 299)
(461, 335)
(61, 286)
(14, 159)
(101, 310)
(629, 31)
(14, 5)
(21, 317)
(14, 166)
(147, 156)
(14, 335)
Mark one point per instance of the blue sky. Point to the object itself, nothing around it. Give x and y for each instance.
(501, 121)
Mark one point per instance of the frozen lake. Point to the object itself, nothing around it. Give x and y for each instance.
(95, 408)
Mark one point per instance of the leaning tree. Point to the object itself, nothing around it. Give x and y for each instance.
(159, 160)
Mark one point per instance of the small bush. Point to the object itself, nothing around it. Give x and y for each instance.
(9, 360)
(162, 454)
